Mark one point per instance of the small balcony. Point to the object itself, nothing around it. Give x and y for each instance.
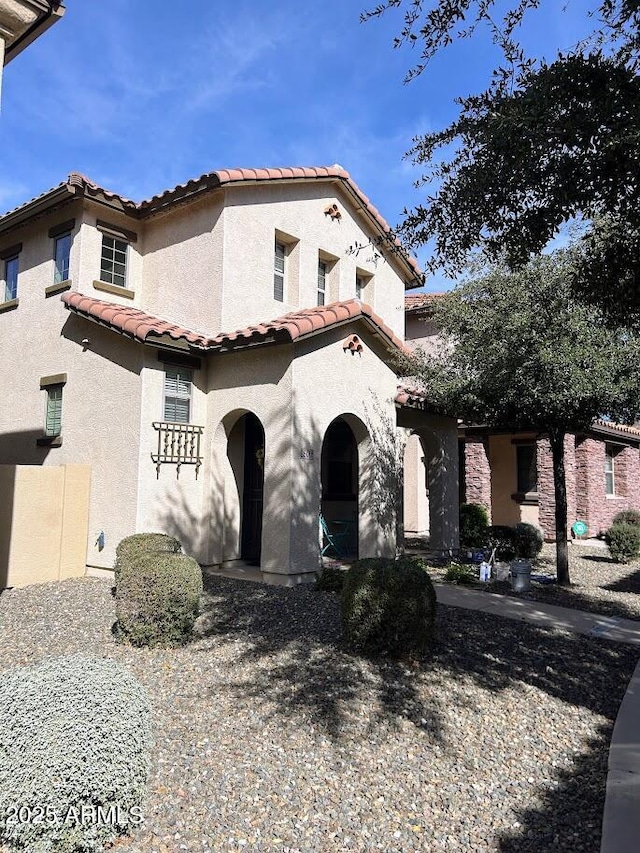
(178, 444)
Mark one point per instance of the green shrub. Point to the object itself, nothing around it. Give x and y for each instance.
(528, 540)
(502, 538)
(389, 607)
(132, 547)
(474, 521)
(330, 579)
(460, 573)
(158, 598)
(75, 736)
(623, 541)
(627, 516)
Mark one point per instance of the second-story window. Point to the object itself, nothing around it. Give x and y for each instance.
(62, 253)
(278, 271)
(322, 282)
(177, 395)
(113, 261)
(11, 278)
(359, 286)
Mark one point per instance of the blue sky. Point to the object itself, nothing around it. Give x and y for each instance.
(141, 95)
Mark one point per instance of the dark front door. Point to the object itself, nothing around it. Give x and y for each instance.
(253, 489)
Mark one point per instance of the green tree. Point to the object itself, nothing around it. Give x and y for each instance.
(545, 144)
(518, 351)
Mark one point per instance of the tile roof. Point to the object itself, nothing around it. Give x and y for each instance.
(625, 429)
(420, 301)
(79, 184)
(291, 327)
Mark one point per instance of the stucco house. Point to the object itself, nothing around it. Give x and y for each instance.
(221, 362)
(512, 474)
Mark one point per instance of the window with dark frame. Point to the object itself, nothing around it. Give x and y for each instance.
(177, 395)
(527, 466)
(11, 266)
(278, 271)
(62, 253)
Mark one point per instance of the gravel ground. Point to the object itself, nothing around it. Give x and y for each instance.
(598, 585)
(268, 737)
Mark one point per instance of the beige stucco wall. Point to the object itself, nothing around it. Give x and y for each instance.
(182, 267)
(416, 493)
(253, 214)
(101, 398)
(504, 483)
(44, 518)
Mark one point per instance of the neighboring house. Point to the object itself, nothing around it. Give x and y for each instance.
(22, 22)
(511, 473)
(138, 339)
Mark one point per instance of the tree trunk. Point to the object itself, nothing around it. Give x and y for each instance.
(556, 438)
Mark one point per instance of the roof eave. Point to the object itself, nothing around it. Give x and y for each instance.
(52, 12)
(32, 210)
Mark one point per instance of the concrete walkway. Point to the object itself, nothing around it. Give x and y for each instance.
(621, 817)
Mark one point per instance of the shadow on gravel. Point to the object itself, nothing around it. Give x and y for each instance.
(296, 634)
(295, 637)
(629, 583)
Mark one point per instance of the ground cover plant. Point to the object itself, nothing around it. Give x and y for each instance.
(74, 754)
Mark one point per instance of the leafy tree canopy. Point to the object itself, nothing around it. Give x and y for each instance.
(518, 351)
(546, 143)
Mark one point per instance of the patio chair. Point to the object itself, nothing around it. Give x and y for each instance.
(337, 541)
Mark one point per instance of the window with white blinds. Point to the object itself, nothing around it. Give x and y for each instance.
(177, 395)
(53, 424)
(278, 272)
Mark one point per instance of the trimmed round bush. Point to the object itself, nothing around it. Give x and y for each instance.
(474, 521)
(388, 607)
(528, 540)
(75, 736)
(158, 599)
(627, 516)
(623, 541)
(131, 547)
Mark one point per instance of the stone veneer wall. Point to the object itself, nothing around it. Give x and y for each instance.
(595, 507)
(546, 492)
(477, 473)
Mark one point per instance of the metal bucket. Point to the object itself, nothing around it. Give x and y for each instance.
(521, 575)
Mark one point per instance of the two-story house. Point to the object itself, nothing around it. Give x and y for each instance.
(223, 363)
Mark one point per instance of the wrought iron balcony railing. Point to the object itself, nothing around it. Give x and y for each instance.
(178, 444)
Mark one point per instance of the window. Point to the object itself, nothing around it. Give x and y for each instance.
(53, 423)
(11, 278)
(278, 272)
(609, 470)
(62, 251)
(527, 464)
(360, 283)
(322, 282)
(177, 395)
(113, 262)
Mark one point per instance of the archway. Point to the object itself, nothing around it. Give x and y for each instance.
(245, 451)
(340, 477)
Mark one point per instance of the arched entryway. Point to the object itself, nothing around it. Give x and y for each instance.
(245, 451)
(340, 485)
